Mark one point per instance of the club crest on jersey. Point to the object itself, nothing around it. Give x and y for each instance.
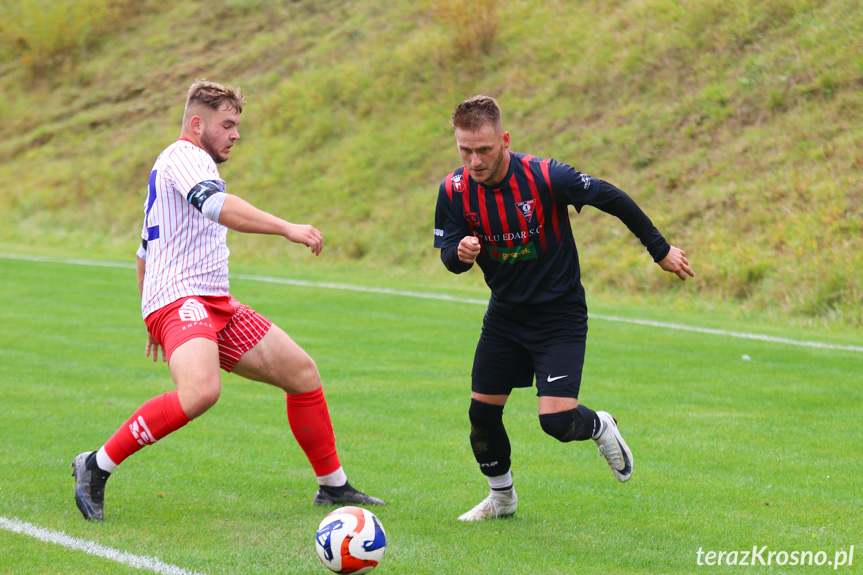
(458, 183)
(526, 209)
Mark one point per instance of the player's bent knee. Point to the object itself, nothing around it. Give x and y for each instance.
(210, 396)
(484, 416)
(486, 424)
(195, 401)
(564, 426)
(309, 372)
(303, 377)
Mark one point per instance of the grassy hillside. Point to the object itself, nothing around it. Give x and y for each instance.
(735, 124)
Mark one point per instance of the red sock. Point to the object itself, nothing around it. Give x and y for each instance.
(309, 419)
(154, 420)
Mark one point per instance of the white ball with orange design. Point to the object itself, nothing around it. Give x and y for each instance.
(351, 540)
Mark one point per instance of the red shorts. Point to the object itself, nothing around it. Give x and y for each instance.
(236, 328)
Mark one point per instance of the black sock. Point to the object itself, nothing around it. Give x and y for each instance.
(337, 489)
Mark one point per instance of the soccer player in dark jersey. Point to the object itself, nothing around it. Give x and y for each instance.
(508, 213)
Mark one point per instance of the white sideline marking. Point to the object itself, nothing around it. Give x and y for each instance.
(445, 297)
(660, 324)
(740, 334)
(60, 538)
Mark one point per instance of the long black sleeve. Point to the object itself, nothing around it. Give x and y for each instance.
(616, 202)
(449, 257)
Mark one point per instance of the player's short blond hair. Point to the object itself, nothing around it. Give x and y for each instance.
(215, 96)
(477, 112)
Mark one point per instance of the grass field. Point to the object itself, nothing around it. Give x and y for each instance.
(729, 453)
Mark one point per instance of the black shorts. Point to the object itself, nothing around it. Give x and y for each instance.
(521, 342)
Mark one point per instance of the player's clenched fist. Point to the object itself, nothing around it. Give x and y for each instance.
(468, 249)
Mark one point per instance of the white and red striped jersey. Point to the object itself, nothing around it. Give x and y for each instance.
(186, 253)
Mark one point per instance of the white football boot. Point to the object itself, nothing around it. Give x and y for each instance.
(612, 446)
(497, 504)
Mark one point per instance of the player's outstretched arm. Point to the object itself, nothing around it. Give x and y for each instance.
(241, 216)
(676, 263)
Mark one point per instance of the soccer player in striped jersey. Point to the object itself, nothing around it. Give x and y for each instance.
(508, 213)
(190, 314)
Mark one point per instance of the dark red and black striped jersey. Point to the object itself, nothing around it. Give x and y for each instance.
(528, 251)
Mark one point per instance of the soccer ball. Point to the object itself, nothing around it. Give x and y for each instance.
(351, 540)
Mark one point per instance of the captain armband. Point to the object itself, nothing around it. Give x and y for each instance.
(208, 197)
(142, 250)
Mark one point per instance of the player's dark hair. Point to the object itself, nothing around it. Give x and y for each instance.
(215, 96)
(477, 112)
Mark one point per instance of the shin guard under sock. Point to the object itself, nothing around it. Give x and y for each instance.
(152, 421)
(488, 438)
(310, 423)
